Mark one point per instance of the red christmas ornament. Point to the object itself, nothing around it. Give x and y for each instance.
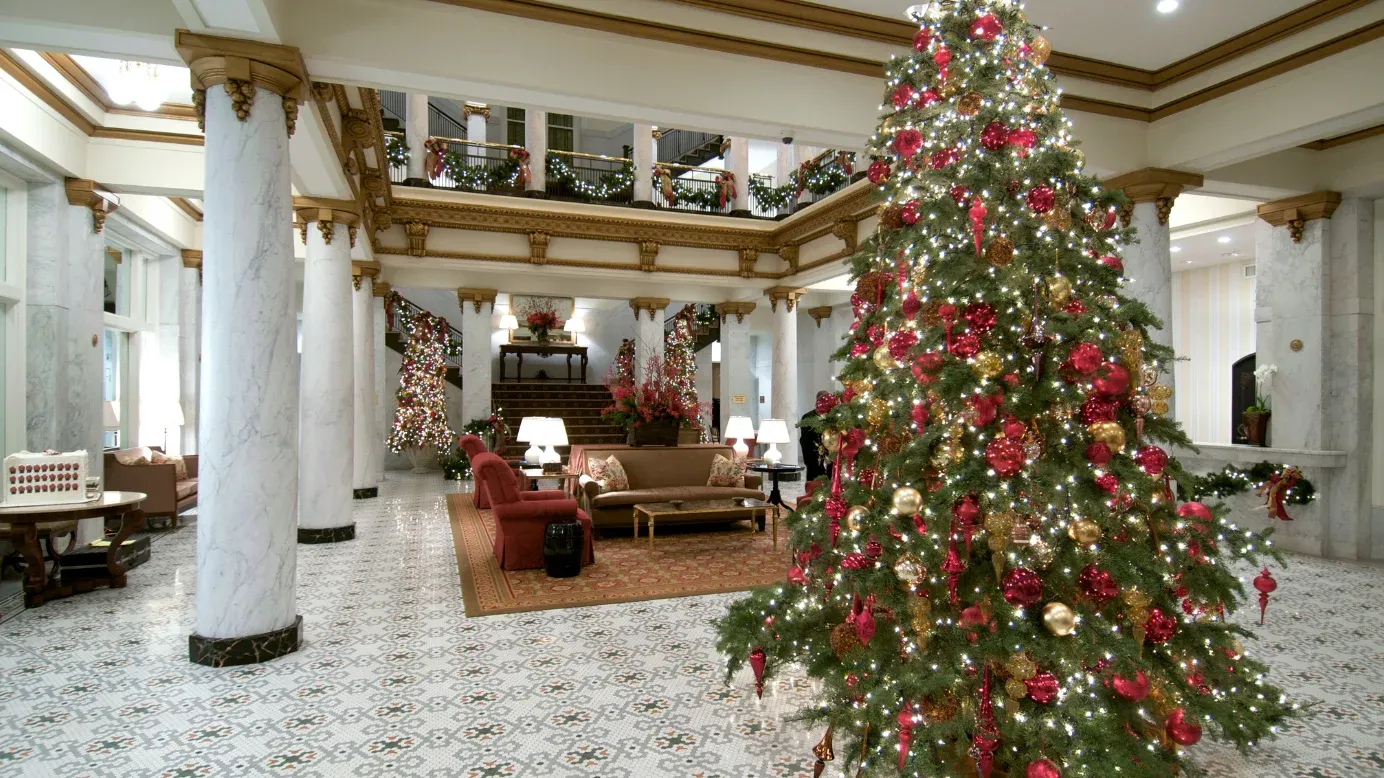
(1160, 627)
(1023, 139)
(981, 317)
(1131, 690)
(922, 39)
(905, 720)
(875, 332)
(878, 172)
(1265, 585)
(1181, 730)
(1042, 688)
(826, 402)
(967, 510)
(865, 626)
(926, 97)
(994, 137)
(908, 214)
(1107, 482)
(907, 142)
(1075, 307)
(986, 28)
(911, 305)
(757, 660)
(873, 549)
(1195, 510)
(953, 567)
(1085, 358)
(930, 361)
(986, 407)
(946, 312)
(859, 349)
(1042, 768)
(1112, 380)
(1041, 199)
(978, 213)
(920, 415)
(902, 95)
(1013, 428)
(835, 508)
(1098, 585)
(1006, 456)
(1152, 460)
(1022, 587)
(943, 158)
(960, 194)
(796, 576)
(942, 57)
(1113, 263)
(1098, 454)
(900, 342)
(965, 346)
(855, 561)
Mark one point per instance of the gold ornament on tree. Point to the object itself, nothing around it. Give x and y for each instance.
(831, 440)
(843, 640)
(1000, 252)
(920, 618)
(876, 411)
(999, 525)
(909, 569)
(1040, 552)
(1039, 50)
(1059, 619)
(823, 752)
(885, 360)
(855, 517)
(907, 500)
(1084, 532)
(987, 364)
(1059, 290)
(970, 104)
(1137, 610)
(1110, 433)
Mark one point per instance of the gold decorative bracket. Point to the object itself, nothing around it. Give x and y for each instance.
(1295, 212)
(737, 309)
(653, 305)
(87, 194)
(1155, 185)
(477, 298)
(819, 313)
(788, 295)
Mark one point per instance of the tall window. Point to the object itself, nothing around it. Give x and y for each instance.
(114, 358)
(561, 136)
(117, 281)
(514, 126)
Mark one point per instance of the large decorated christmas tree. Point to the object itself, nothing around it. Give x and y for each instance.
(997, 578)
(420, 421)
(682, 360)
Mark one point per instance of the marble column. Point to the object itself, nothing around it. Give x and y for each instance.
(823, 368)
(382, 396)
(783, 306)
(735, 360)
(248, 465)
(648, 331)
(785, 164)
(189, 341)
(364, 478)
(416, 134)
(477, 316)
(476, 115)
(326, 421)
(705, 388)
(536, 143)
(1148, 264)
(168, 398)
(643, 158)
(738, 163)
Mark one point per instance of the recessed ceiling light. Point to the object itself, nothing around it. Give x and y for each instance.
(1167, 6)
(1223, 239)
(1175, 249)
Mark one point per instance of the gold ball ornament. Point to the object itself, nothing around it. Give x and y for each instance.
(970, 104)
(877, 411)
(1021, 667)
(831, 440)
(1041, 553)
(1084, 532)
(951, 87)
(855, 517)
(909, 569)
(1016, 689)
(1110, 433)
(1039, 50)
(1000, 252)
(885, 360)
(1059, 619)
(907, 500)
(1059, 290)
(987, 364)
(863, 386)
(843, 640)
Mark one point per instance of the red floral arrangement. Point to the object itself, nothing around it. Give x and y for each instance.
(542, 320)
(656, 400)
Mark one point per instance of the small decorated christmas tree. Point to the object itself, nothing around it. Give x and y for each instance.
(420, 420)
(998, 578)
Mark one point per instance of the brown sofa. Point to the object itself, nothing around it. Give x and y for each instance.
(168, 496)
(657, 474)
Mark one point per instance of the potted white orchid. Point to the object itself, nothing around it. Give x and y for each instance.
(1256, 416)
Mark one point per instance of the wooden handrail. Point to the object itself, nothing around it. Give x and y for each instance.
(583, 155)
(485, 144)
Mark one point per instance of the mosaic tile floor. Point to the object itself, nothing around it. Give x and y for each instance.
(395, 681)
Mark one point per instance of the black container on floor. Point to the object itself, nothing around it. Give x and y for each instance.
(562, 548)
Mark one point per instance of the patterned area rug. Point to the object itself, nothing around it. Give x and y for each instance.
(683, 561)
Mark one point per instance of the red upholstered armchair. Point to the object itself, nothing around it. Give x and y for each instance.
(809, 489)
(521, 517)
(473, 445)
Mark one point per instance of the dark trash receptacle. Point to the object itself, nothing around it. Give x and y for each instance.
(562, 547)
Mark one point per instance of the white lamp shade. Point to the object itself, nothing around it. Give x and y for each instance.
(509, 322)
(110, 415)
(528, 429)
(553, 433)
(173, 415)
(575, 325)
(739, 428)
(772, 431)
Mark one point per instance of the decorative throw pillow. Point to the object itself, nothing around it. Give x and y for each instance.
(179, 466)
(615, 479)
(727, 472)
(134, 456)
(596, 468)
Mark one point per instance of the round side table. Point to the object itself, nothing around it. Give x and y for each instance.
(22, 525)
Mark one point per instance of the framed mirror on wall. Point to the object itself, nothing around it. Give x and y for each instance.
(527, 309)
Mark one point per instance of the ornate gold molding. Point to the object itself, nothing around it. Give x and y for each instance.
(382, 288)
(789, 295)
(477, 298)
(652, 305)
(1155, 185)
(86, 193)
(192, 258)
(819, 313)
(538, 247)
(748, 258)
(1295, 212)
(326, 213)
(789, 254)
(417, 232)
(365, 268)
(648, 254)
(739, 310)
(848, 232)
(479, 109)
(240, 67)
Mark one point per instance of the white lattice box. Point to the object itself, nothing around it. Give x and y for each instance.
(45, 479)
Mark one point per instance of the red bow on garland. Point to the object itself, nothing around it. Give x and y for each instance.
(665, 180)
(725, 186)
(1275, 492)
(433, 160)
(522, 157)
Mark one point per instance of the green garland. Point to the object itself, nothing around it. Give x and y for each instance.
(1232, 480)
(479, 179)
(612, 185)
(823, 179)
(395, 150)
(773, 198)
(706, 199)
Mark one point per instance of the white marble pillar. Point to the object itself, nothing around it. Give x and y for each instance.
(364, 478)
(189, 336)
(643, 157)
(785, 164)
(477, 317)
(536, 143)
(416, 134)
(648, 331)
(823, 368)
(705, 388)
(247, 436)
(381, 394)
(738, 163)
(476, 114)
(326, 421)
(783, 403)
(736, 361)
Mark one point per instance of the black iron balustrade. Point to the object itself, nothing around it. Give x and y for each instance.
(400, 311)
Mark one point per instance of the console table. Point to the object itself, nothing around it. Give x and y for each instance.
(542, 350)
(22, 524)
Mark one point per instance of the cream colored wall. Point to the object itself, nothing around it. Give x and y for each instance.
(1213, 326)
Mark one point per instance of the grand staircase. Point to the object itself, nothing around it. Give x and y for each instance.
(400, 310)
(578, 405)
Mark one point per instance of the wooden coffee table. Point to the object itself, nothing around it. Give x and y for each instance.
(708, 510)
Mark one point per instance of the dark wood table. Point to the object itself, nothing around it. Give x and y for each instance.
(542, 350)
(774, 471)
(21, 524)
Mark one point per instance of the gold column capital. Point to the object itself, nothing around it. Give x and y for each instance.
(383, 288)
(192, 258)
(365, 267)
(240, 66)
(1155, 185)
(789, 295)
(1295, 212)
(467, 109)
(819, 313)
(86, 193)
(739, 310)
(477, 297)
(654, 306)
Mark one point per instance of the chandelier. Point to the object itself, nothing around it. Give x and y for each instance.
(141, 83)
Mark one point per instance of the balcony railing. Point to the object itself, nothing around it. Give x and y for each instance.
(477, 166)
(687, 188)
(590, 177)
(400, 311)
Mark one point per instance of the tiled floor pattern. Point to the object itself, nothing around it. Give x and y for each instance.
(395, 681)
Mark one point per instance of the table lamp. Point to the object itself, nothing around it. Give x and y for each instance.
(575, 326)
(509, 322)
(528, 433)
(773, 432)
(553, 433)
(740, 429)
